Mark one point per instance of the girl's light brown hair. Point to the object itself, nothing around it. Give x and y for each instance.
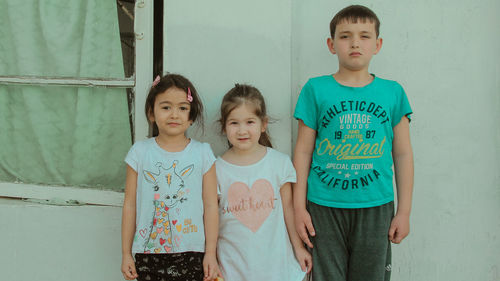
(245, 94)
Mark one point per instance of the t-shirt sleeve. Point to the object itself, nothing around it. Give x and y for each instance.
(402, 106)
(288, 171)
(306, 108)
(131, 159)
(208, 157)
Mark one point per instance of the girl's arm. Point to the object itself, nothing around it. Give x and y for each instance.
(211, 221)
(128, 225)
(403, 168)
(302, 163)
(301, 253)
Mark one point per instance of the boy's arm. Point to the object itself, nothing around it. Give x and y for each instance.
(403, 168)
(128, 224)
(211, 222)
(302, 161)
(302, 255)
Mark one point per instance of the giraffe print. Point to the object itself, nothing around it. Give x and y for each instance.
(168, 185)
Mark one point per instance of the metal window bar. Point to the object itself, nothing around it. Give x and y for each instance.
(68, 81)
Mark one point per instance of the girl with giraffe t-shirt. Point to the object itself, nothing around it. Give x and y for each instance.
(170, 211)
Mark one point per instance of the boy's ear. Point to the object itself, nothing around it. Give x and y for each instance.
(378, 45)
(329, 43)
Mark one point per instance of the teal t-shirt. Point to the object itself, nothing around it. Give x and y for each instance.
(352, 159)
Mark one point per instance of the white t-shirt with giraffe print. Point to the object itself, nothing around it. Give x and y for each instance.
(169, 210)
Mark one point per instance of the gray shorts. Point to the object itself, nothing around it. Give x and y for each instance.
(351, 244)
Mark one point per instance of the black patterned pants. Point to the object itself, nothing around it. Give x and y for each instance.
(186, 266)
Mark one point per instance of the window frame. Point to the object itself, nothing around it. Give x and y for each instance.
(140, 83)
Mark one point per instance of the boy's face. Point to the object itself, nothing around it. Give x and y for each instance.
(355, 44)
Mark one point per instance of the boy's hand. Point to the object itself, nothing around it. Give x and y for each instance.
(210, 267)
(128, 268)
(304, 226)
(304, 258)
(400, 227)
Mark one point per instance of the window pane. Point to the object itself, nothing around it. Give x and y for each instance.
(127, 35)
(79, 38)
(64, 135)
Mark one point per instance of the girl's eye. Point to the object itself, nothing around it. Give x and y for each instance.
(251, 122)
(166, 107)
(184, 108)
(233, 123)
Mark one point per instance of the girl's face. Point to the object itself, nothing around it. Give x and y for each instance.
(243, 128)
(171, 112)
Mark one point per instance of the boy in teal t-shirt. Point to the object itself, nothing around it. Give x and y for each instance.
(353, 127)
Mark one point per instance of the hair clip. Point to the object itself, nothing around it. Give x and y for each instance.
(156, 81)
(189, 97)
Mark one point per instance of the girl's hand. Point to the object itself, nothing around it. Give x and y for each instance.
(128, 268)
(210, 267)
(400, 227)
(304, 226)
(304, 258)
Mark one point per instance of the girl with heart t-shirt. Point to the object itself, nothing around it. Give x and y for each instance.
(257, 238)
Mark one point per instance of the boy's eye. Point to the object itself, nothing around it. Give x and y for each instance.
(365, 36)
(233, 123)
(251, 122)
(343, 36)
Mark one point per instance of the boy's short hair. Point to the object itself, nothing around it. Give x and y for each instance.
(352, 14)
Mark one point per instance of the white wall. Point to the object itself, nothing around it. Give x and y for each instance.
(445, 54)
(216, 44)
(44, 242)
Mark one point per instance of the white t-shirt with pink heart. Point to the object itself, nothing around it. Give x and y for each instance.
(253, 240)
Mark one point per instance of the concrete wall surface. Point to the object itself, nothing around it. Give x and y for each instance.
(219, 43)
(44, 242)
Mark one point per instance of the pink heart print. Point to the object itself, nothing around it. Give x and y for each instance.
(260, 196)
(142, 232)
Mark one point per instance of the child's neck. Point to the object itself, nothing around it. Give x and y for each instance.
(353, 78)
(172, 143)
(244, 157)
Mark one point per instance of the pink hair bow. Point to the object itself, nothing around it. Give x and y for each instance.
(189, 97)
(156, 81)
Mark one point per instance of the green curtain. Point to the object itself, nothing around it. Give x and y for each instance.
(62, 135)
